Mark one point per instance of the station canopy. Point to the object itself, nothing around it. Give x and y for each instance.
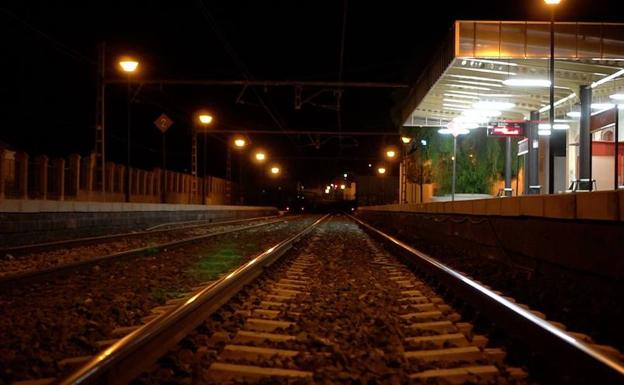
(500, 69)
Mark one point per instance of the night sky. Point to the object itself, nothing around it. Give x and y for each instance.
(47, 88)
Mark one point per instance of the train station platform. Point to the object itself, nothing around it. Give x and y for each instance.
(578, 232)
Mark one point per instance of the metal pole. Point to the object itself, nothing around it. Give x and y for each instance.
(205, 173)
(241, 191)
(533, 163)
(616, 150)
(585, 142)
(163, 178)
(551, 115)
(128, 142)
(507, 164)
(100, 132)
(422, 177)
(454, 167)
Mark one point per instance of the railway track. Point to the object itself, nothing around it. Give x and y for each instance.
(339, 308)
(44, 259)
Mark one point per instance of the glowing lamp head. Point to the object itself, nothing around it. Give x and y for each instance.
(260, 156)
(205, 118)
(391, 154)
(342, 187)
(275, 170)
(406, 139)
(381, 170)
(240, 142)
(552, 2)
(128, 65)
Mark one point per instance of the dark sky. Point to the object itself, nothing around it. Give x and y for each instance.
(47, 86)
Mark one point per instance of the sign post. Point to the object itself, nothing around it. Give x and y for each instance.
(507, 130)
(163, 122)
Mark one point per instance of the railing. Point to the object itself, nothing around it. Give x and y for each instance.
(74, 179)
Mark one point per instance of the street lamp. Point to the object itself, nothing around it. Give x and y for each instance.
(455, 129)
(275, 170)
(551, 115)
(406, 139)
(240, 143)
(381, 170)
(204, 119)
(391, 153)
(129, 66)
(260, 156)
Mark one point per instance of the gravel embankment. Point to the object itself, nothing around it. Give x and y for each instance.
(42, 323)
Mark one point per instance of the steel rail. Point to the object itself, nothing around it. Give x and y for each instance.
(572, 357)
(134, 353)
(22, 249)
(10, 279)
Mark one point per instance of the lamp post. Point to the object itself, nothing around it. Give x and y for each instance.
(551, 72)
(239, 144)
(129, 66)
(204, 119)
(454, 129)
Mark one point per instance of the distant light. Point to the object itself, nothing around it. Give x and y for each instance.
(561, 126)
(344, 175)
(391, 154)
(352, 208)
(423, 142)
(303, 209)
(617, 96)
(515, 82)
(287, 208)
(492, 106)
(370, 165)
(406, 139)
(205, 118)
(342, 187)
(543, 132)
(574, 114)
(552, 2)
(128, 65)
(240, 142)
(275, 170)
(381, 170)
(260, 156)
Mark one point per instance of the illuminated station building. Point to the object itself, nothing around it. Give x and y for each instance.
(496, 74)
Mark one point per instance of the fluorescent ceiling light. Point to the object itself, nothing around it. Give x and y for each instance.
(574, 114)
(602, 106)
(477, 83)
(485, 105)
(469, 87)
(527, 82)
(558, 102)
(607, 78)
(556, 126)
(617, 96)
(543, 132)
(491, 113)
(456, 105)
(465, 92)
(461, 96)
(468, 102)
(453, 131)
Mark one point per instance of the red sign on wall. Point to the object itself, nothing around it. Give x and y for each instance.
(504, 129)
